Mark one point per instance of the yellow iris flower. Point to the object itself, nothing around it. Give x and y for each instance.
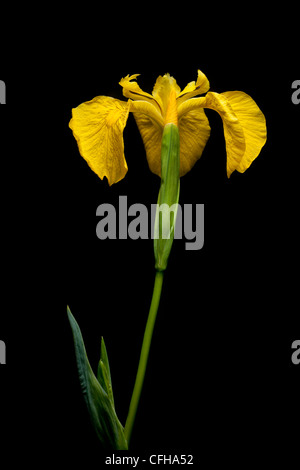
(98, 125)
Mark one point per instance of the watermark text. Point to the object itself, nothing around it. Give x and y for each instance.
(2, 92)
(133, 222)
(296, 93)
(296, 354)
(2, 352)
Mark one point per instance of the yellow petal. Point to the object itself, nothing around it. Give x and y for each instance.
(253, 123)
(144, 107)
(98, 127)
(171, 116)
(190, 105)
(233, 131)
(132, 90)
(192, 89)
(244, 125)
(150, 124)
(162, 90)
(151, 131)
(194, 131)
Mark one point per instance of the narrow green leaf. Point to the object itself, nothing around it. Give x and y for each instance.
(101, 410)
(103, 373)
(104, 358)
(104, 381)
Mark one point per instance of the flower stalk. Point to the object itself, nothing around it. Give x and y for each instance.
(165, 221)
(144, 356)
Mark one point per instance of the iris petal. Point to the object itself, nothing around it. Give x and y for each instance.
(151, 132)
(98, 126)
(194, 131)
(233, 131)
(132, 90)
(192, 89)
(253, 123)
(162, 90)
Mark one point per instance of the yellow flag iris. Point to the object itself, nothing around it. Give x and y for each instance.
(98, 125)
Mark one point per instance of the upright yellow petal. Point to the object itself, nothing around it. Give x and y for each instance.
(171, 116)
(162, 89)
(98, 127)
(132, 90)
(192, 89)
(253, 123)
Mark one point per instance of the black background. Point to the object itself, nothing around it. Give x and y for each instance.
(220, 382)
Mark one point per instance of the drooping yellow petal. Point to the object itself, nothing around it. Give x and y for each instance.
(98, 127)
(233, 131)
(194, 131)
(192, 89)
(253, 123)
(151, 131)
(150, 124)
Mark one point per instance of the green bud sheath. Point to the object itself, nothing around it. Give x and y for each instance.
(168, 196)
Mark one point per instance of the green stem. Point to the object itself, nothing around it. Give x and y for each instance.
(144, 355)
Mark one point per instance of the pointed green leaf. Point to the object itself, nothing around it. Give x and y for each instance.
(104, 358)
(103, 373)
(104, 381)
(102, 413)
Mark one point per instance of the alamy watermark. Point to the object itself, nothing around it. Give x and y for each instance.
(296, 354)
(136, 222)
(2, 352)
(2, 92)
(296, 93)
